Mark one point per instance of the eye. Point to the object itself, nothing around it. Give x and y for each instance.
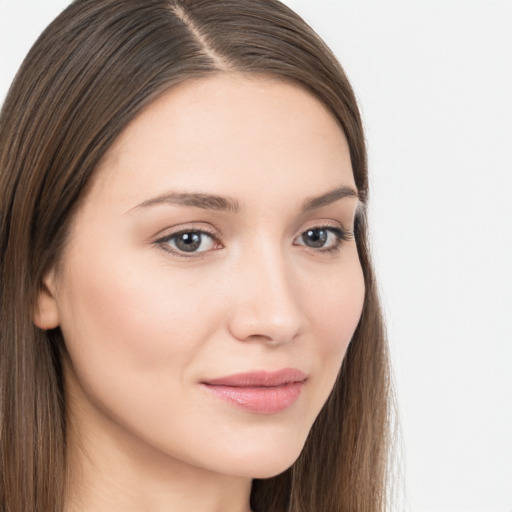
(324, 238)
(188, 242)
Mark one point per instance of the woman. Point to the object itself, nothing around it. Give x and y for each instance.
(189, 315)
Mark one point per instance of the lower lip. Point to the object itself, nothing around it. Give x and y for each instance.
(260, 400)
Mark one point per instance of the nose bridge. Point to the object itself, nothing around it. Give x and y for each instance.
(266, 304)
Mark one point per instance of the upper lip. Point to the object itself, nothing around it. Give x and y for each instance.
(260, 378)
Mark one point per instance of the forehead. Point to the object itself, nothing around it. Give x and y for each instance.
(225, 132)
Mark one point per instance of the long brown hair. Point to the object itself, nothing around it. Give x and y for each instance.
(88, 75)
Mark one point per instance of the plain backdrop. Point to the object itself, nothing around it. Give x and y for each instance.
(434, 81)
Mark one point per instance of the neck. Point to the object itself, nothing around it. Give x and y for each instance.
(111, 471)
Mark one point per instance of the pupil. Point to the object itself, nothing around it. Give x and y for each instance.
(316, 237)
(188, 242)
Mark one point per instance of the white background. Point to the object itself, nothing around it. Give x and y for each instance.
(434, 80)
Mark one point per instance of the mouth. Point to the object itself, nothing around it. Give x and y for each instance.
(259, 392)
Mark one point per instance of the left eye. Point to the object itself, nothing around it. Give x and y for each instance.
(190, 241)
(322, 238)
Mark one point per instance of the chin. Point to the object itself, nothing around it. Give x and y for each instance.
(271, 470)
(267, 463)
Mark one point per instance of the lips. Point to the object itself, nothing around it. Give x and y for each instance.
(259, 392)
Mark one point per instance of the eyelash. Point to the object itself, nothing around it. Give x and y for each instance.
(341, 235)
(164, 241)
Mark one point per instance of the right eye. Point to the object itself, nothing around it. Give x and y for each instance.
(188, 242)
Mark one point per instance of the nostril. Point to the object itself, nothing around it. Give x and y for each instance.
(260, 326)
(263, 303)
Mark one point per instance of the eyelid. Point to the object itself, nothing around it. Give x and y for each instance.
(162, 240)
(328, 224)
(342, 235)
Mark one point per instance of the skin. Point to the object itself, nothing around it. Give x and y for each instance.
(144, 326)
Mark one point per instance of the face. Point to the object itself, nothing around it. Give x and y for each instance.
(211, 282)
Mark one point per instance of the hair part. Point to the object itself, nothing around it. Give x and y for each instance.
(91, 72)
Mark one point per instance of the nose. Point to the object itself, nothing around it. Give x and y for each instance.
(265, 301)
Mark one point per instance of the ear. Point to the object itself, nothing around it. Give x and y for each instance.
(46, 311)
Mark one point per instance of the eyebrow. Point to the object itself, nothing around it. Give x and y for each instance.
(313, 203)
(228, 204)
(194, 200)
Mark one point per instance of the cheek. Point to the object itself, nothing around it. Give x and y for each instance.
(133, 339)
(131, 318)
(335, 312)
(337, 305)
